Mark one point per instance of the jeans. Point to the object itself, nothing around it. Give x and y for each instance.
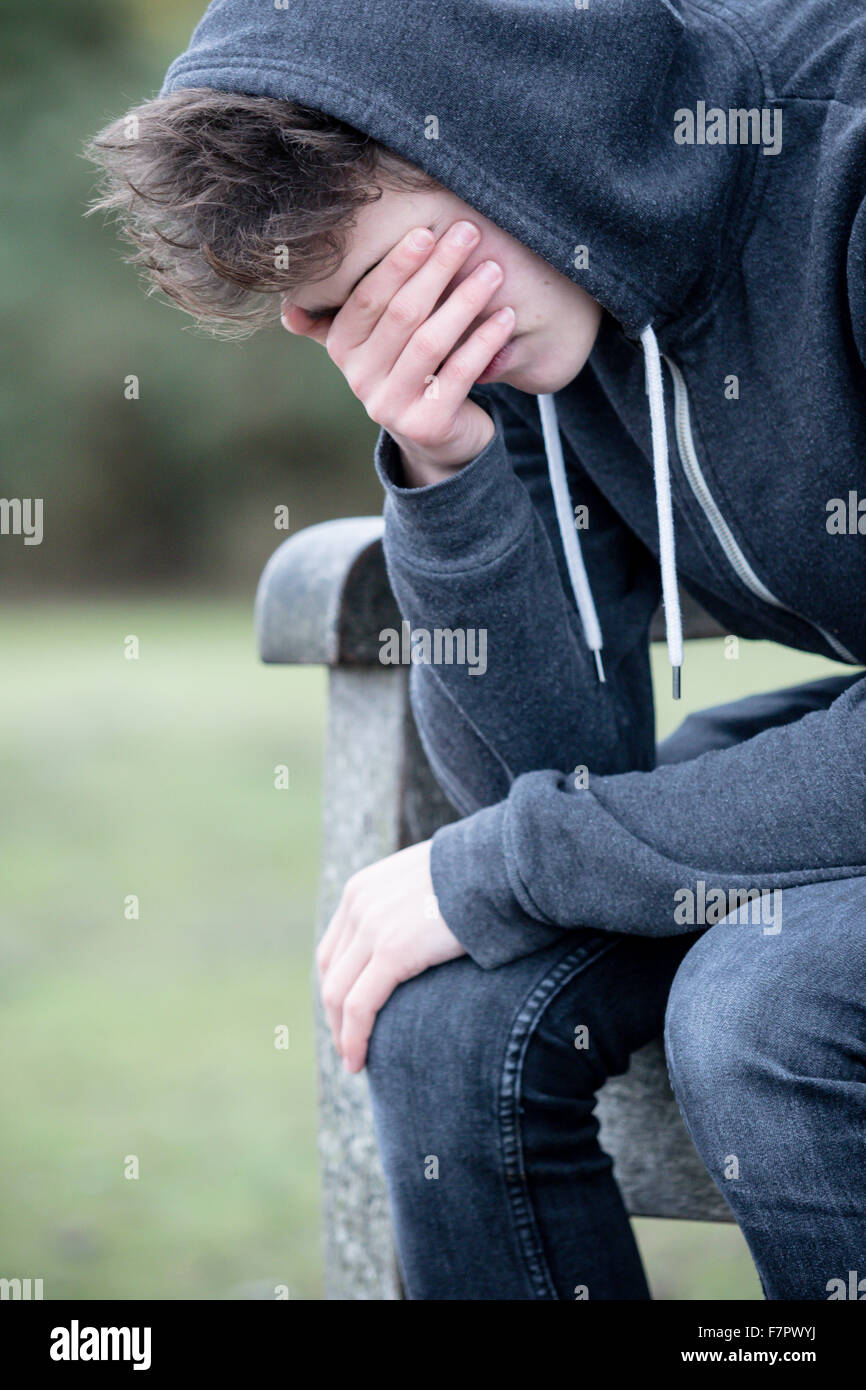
(483, 1104)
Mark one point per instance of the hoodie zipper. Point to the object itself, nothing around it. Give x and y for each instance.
(722, 532)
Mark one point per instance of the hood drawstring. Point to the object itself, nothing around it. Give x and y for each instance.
(568, 530)
(664, 512)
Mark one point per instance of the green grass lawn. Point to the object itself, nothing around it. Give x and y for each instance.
(154, 1036)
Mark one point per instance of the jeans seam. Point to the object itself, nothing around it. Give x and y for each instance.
(525, 1022)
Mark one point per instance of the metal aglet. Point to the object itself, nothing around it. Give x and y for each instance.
(677, 673)
(598, 665)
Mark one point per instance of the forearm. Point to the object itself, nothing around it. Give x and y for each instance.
(783, 809)
(470, 555)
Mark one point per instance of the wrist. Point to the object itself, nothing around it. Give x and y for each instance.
(419, 470)
(472, 516)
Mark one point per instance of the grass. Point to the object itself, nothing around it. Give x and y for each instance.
(152, 1037)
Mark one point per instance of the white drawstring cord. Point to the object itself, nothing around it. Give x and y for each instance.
(664, 506)
(664, 512)
(570, 540)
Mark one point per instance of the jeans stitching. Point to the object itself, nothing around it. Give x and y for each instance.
(525, 1022)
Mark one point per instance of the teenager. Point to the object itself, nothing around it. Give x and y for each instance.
(600, 275)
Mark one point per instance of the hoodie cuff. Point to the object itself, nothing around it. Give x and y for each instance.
(469, 518)
(468, 866)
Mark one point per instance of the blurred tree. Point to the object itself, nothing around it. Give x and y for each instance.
(178, 486)
(33, 32)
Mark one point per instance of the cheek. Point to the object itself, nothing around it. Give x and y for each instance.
(573, 325)
(538, 300)
(518, 284)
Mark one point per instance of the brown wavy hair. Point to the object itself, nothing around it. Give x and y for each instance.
(231, 201)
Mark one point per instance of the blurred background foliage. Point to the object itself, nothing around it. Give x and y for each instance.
(178, 487)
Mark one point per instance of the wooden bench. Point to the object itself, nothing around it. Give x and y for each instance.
(322, 600)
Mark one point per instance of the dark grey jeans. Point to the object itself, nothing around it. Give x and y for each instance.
(484, 1104)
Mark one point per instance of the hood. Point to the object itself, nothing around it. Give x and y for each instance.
(556, 123)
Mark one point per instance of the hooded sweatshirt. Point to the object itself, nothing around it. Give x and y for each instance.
(699, 168)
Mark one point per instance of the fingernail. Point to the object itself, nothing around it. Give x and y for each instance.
(489, 271)
(503, 315)
(421, 238)
(464, 233)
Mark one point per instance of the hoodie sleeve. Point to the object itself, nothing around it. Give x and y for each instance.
(783, 809)
(480, 551)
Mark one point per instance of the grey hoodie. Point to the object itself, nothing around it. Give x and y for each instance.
(698, 167)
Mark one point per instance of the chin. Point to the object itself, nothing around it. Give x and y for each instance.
(539, 381)
(546, 372)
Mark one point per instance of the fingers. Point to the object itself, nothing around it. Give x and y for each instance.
(341, 953)
(331, 936)
(355, 319)
(431, 351)
(340, 980)
(323, 962)
(373, 987)
(434, 340)
(411, 343)
(381, 935)
(373, 294)
(336, 940)
(413, 303)
(467, 362)
(386, 307)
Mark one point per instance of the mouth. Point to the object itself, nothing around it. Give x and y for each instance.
(498, 363)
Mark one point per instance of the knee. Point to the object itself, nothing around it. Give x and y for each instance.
(456, 1042)
(435, 1072)
(433, 1042)
(750, 1012)
(713, 1044)
(700, 1034)
(724, 1011)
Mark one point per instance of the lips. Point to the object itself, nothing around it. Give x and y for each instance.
(497, 363)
